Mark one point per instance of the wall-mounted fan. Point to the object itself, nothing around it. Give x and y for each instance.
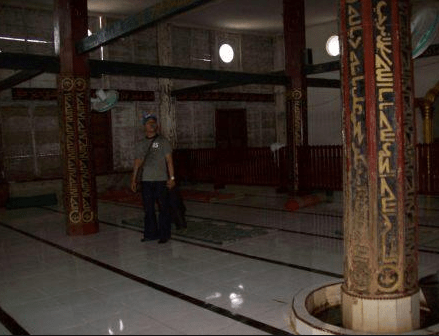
(424, 25)
(275, 147)
(105, 100)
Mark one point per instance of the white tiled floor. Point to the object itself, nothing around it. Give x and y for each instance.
(111, 283)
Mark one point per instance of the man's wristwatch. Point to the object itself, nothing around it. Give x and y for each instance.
(172, 178)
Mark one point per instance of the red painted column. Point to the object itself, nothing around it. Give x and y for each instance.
(296, 91)
(380, 292)
(79, 184)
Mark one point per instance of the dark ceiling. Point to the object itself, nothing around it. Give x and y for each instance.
(242, 15)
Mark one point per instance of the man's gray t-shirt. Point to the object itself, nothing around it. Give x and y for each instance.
(154, 168)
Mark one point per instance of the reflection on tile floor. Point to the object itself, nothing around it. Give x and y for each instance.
(111, 283)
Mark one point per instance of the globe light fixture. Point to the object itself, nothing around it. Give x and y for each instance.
(333, 46)
(226, 53)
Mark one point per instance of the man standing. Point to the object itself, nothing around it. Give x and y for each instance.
(155, 152)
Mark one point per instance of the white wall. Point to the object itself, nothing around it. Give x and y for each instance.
(324, 105)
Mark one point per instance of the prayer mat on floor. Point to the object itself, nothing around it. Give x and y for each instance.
(210, 231)
(31, 201)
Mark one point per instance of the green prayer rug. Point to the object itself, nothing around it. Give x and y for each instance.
(209, 231)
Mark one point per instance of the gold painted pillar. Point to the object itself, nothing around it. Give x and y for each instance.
(427, 118)
(79, 180)
(380, 292)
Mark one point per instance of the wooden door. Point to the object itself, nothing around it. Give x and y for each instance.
(231, 129)
(101, 140)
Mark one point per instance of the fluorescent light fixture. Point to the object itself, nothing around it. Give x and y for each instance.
(8, 38)
(37, 41)
(12, 39)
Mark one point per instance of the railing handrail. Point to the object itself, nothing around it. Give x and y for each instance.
(320, 166)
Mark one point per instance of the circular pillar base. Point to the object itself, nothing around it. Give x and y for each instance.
(318, 310)
(381, 315)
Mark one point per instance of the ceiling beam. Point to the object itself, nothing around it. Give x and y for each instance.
(221, 79)
(18, 61)
(143, 70)
(18, 78)
(312, 69)
(311, 82)
(309, 69)
(323, 83)
(218, 85)
(148, 17)
(205, 87)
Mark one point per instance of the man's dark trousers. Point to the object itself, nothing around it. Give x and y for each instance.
(153, 191)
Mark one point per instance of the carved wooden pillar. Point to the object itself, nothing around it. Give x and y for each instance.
(79, 184)
(296, 92)
(380, 291)
(166, 101)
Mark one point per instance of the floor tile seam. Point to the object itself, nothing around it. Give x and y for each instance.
(11, 324)
(181, 316)
(290, 231)
(254, 207)
(298, 232)
(213, 247)
(229, 250)
(228, 204)
(282, 210)
(159, 322)
(262, 208)
(263, 227)
(300, 267)
(210, 187)
(221, 311)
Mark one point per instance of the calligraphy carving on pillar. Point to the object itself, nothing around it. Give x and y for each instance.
(380, 198)
(389, 278)
(296, 98)
(397, 198)
(357, 222)
(78, 183)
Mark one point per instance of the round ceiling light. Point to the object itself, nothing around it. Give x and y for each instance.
(226, 53)
(333, 46)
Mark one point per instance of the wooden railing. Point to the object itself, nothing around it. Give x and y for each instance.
(320, 167)
(251, 166)
(427, 158)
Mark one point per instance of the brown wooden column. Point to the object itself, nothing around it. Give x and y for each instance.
(380, 291)
(296, 91)
(79, 184)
